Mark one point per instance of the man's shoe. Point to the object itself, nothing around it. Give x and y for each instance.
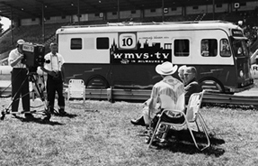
(46, 118)
(163, 142)
(139, 121)
(29, 116)
(62, 112)
(148, 139)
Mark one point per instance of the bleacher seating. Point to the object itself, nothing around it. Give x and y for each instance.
(33, 33)
(30, 33)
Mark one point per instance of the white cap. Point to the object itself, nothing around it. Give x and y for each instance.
(20, 41)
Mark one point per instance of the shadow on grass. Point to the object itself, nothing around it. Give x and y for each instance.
(65, 115)
(231, 106)
(38, 120)
(181, 141)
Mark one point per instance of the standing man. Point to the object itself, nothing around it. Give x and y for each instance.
(19, 79)
(54, 68)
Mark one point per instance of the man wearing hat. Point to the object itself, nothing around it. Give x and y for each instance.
(54, 69)
(169, 86)
(19, 79)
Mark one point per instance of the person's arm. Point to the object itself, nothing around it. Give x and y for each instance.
(13, 61)
(63, 72)
(43, 68)
(189, 90)
(62, 68)
(153, 99)
(52, 73)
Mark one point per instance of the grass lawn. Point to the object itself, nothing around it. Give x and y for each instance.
(107, 138)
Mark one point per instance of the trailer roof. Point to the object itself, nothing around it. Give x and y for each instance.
(125, 27)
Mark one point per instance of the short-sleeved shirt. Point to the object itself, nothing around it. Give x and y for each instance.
(14, 54)
(53, 62)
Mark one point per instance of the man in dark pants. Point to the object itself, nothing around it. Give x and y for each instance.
(19, 78)
(54, 69)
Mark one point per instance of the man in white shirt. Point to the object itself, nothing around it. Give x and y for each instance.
(54, 68)
(19, 79)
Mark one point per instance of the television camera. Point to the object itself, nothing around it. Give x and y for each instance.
(33, 55)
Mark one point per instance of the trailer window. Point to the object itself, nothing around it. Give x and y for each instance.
(181, 47)
(224, 48)
(209, 47)
(76, 44)
(102, 43)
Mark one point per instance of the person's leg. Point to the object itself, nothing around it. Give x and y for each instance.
(61, 99)
(26, 95)
(16, 83)
(142, 119)
(25, 92)
(51, 94)
(146, 115)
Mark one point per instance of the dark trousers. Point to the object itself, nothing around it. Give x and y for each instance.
(53, 86)
(20, 86)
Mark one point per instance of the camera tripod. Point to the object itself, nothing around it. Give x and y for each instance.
(31, 76)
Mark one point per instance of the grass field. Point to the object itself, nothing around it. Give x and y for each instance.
(99, 133)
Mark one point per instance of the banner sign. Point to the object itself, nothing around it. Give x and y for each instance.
(130, 51)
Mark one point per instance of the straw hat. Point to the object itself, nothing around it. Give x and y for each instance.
(166, 68)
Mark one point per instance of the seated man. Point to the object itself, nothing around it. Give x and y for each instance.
(181, 70)
(188, 77)
(191, 85)
(170, 86)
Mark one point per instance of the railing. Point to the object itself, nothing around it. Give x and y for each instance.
(142, 95)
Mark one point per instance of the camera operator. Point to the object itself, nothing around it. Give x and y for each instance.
(19, 79)
(54, 68)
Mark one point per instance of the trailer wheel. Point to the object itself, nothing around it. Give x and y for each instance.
(212, 84)
(97, 82)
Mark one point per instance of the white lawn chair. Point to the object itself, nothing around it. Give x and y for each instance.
(192, 115)
(76, 89)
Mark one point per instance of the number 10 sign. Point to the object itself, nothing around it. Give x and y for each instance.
(127, 40)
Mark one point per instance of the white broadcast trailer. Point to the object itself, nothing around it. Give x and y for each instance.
(124, 56)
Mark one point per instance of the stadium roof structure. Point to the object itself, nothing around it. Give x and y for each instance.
(20, 9)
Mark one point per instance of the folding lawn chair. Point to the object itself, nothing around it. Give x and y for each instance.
(76, 89)
(192, 115)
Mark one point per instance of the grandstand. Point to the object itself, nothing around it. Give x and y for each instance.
(27, 15)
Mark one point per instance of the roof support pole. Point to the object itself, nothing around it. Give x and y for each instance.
(12, 25)
(162, 11)
(213, 9)
(118, 10)
(43, 22)
(142, 14)
(78, 12)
